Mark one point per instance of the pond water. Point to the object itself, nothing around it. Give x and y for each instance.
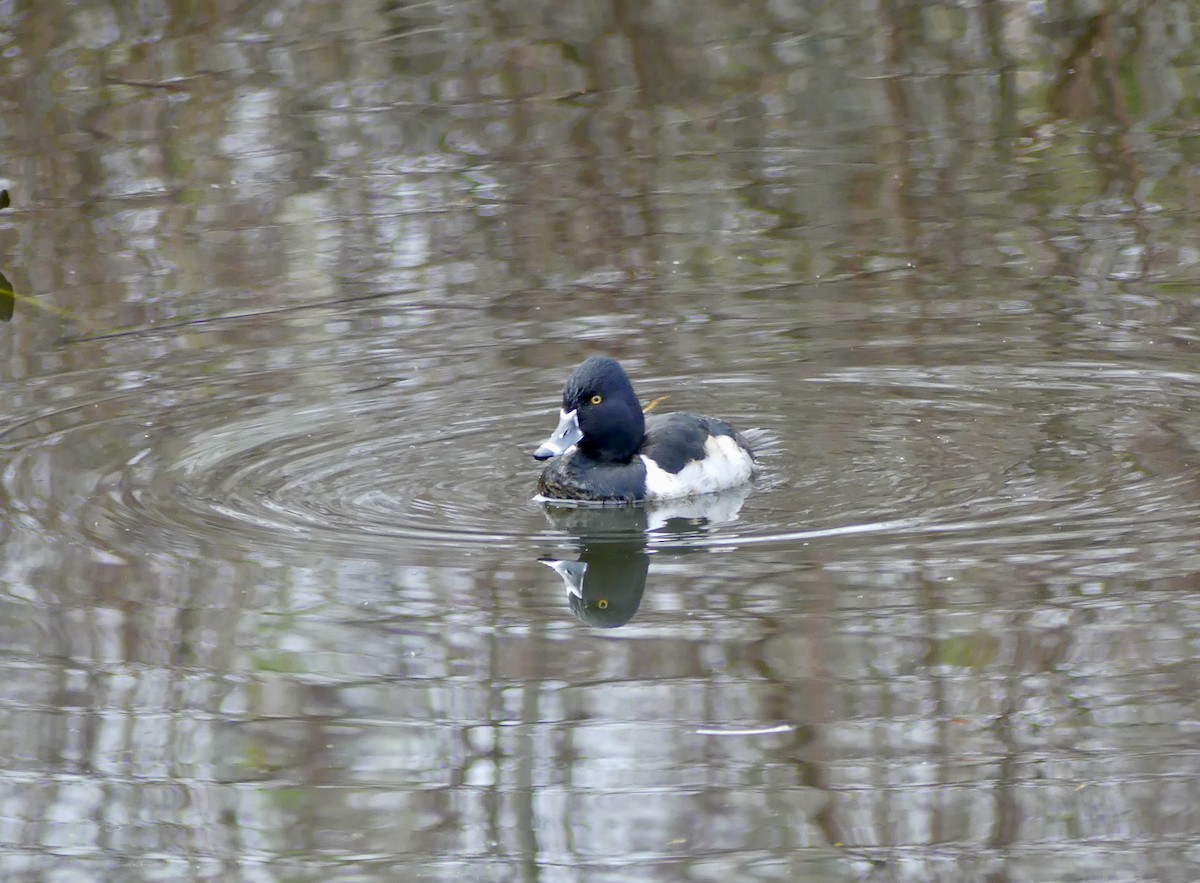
(290, 293)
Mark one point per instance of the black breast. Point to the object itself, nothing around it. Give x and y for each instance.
(576, 477)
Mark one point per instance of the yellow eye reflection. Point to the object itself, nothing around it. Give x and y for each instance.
(597, 399)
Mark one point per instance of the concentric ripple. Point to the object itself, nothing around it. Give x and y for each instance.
(958, 460)
(350, 476)
(353, 479)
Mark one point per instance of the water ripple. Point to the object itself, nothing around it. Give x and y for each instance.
(955, 459)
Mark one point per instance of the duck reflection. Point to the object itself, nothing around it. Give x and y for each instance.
(606, 582)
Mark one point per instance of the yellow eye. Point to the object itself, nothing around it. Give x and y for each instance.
(602, 604)
(597, 399)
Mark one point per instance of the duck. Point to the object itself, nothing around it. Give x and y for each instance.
(605, 449)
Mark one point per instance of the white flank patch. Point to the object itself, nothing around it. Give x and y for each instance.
(725, 464)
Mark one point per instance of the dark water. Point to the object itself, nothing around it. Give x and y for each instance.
(290, 292)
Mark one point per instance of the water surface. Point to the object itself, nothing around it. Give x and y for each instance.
(294, 289)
